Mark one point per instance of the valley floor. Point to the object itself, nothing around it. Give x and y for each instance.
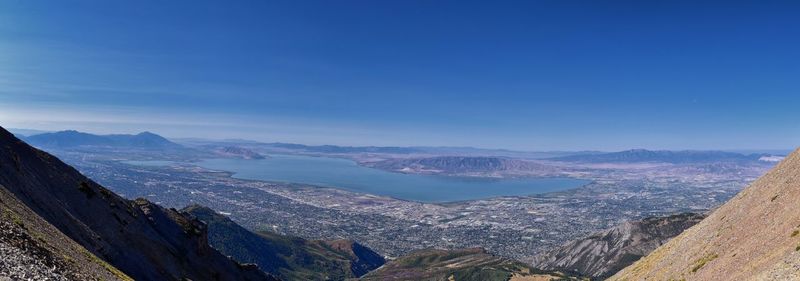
(515, 227)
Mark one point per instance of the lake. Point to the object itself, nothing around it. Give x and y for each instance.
(346, 174)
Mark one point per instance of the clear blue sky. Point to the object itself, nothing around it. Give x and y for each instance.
(533, 75)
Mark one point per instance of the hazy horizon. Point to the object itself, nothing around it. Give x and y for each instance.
(532, 76)
(30, 132)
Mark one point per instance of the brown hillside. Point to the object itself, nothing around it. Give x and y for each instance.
(754, 236)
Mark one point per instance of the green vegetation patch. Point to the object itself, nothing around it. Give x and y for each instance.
(794, 233)
(488, 274)
(13, 217)
(105, 192)
(86, 189)
(113, 270)
(703, 261)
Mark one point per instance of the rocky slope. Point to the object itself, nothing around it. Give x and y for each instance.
(290, 258)
(141, 239)
(754, 236)
(602, 254)
(462, 265)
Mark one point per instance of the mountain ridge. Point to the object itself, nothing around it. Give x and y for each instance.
(73, 138)
(663, 156)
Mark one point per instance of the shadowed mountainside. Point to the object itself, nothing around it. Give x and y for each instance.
(290, 258)
(754, 236)
(602, 254)
(141, 239)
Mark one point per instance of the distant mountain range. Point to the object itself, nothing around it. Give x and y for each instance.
(430, 150)
(345, 149)
(454, 164)
(26, 132)
(661, 156)
(277, 147)
(71, 138)
(494, 166)
(246, 149)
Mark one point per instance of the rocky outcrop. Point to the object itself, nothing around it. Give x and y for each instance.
(141, 239)
(464, 264)
(602, 254)
(237, 152)
(754, 236)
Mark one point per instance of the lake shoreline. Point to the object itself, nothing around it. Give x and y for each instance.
(348, 175)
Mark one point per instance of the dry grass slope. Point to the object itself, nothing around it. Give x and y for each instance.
(751, 237)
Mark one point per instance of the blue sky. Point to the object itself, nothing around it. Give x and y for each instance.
(532, 75)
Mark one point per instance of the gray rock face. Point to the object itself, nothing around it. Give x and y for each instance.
(603, 254)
